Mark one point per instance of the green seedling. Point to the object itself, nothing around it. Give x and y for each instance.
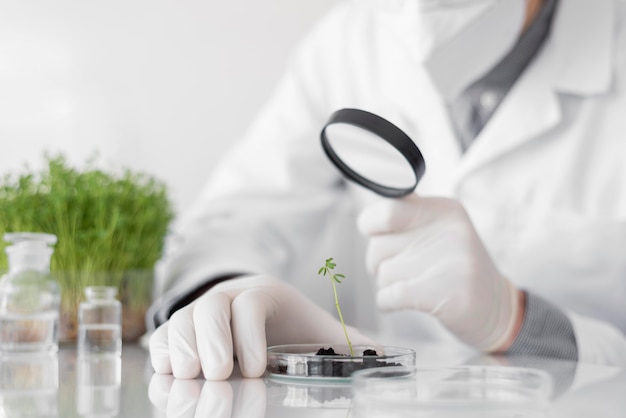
(336, 278)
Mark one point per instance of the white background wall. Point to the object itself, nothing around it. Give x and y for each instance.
(157, 86)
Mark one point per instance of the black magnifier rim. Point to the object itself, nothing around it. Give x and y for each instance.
(386, 131)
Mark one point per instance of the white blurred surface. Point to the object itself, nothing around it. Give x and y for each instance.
(153, 85)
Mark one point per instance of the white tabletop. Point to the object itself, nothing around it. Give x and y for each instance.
(66, 385)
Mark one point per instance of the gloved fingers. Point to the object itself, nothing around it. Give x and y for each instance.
(212, 316)
(418, 264)
(393, 270)
(399, 295)
(183, 398)
(182, 344)
(251, 399)
(250, 310)
(381, 217)
(425, 295)
(216, 400)
(159, 350)
(391, 215)
(234, 287)
(383, 247)
(410, 212)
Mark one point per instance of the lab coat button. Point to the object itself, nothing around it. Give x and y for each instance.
(489, 100)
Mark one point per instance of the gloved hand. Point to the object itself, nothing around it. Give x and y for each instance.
(241, 317)
(427, 256)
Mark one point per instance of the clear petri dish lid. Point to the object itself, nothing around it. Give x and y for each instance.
(460, 391)
(304, 362)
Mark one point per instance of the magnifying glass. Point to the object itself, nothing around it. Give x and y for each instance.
(373, 152)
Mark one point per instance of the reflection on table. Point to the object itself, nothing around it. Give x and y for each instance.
(28, 385)
(67, 385)
(98, 385)
(64, 384)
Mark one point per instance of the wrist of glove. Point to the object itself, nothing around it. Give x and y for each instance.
(494, 321)
(427, 256)
(240, 318)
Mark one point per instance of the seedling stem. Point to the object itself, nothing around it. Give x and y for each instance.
(335, 278)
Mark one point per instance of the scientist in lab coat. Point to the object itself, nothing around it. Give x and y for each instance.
(515, 241)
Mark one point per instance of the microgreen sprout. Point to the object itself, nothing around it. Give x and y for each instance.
(336, 278)
(108, 224)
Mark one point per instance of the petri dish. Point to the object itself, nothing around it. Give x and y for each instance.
(301, 362)
(461, 391)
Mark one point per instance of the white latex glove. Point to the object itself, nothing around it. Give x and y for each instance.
(427, 256)
(241, 317)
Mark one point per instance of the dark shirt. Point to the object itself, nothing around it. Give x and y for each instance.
(471, 111)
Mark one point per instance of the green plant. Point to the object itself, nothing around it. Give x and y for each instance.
(335, 278)
(109, 226)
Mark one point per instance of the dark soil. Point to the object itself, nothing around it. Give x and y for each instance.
(329, 367)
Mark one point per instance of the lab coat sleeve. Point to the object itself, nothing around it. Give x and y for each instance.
(269, 201)
(548, 331)
(597, 341)
(545, 332)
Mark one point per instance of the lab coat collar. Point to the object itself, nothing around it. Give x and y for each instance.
(584, 32)
(576, 59)
(485, 50)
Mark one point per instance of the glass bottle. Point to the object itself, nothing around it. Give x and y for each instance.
(29, 295)
(100, 322)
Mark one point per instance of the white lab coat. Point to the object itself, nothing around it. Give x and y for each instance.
(544, 182)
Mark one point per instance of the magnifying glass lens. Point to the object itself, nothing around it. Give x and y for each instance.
(373, 152)
(370, 156)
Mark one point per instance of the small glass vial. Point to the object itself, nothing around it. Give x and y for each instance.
(100, 322)
(29, 296)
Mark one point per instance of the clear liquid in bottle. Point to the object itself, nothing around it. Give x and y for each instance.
(100, 322)
(29, 296)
